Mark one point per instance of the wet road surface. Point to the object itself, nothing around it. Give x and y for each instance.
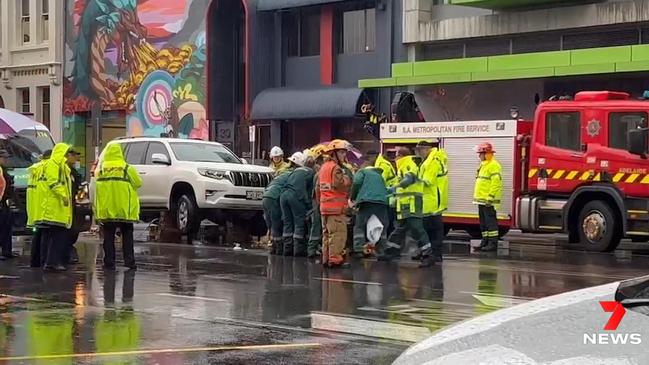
(208, 305)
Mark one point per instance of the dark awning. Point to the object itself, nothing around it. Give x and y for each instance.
(264, 5)
(286, 103)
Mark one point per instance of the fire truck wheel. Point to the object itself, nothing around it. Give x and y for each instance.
(598, 229)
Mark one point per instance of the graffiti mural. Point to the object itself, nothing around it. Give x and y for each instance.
(143, 57)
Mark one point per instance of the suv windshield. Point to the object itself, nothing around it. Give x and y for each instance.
(203, 152)
(25, 147)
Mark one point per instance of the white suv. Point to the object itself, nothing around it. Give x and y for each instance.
(194, 180)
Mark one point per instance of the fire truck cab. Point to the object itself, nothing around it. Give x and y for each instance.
(588, 170)
(581, 168)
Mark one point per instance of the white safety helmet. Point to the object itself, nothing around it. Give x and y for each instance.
(298, 158)
(276, 152)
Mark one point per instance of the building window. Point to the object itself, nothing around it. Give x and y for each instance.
(302, 31)
(25, 22)
(45, 106)
(620, 123)
(23, 100)
(45, 20)
(563, 130)
(358, 31)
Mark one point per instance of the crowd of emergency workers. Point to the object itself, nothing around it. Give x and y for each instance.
(313, 203)
(321, 206)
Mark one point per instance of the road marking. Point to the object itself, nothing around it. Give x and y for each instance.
(349, 281)
(368, 327)
(191, 297)
(163, 351)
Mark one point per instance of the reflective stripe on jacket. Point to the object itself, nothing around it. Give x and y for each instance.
(116, 198)
(33, 207)
(409, 194)
(488, 184)
(333, 189)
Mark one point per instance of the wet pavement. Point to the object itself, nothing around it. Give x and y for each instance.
(209, 305)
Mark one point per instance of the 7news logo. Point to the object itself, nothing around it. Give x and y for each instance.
(607, 338)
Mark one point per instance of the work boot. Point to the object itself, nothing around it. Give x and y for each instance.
(288, 246)
(492, 245)
(74, 256)
(427, 261)
(273, 247)
(483, 243)
(279, 247)
(299, 247)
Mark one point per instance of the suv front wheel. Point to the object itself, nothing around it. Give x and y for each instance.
(186, 215)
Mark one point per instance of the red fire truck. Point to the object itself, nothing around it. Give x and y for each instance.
(579, 168)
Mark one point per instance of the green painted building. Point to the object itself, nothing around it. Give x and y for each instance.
(475, 59)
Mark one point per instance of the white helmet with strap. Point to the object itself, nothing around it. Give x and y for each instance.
(298, 158)
(276, 152)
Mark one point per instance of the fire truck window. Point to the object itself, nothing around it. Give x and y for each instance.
(620, 123)
(563, 130)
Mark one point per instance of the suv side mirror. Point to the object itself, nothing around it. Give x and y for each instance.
(637, 141)
(160, 159)
(244, 161)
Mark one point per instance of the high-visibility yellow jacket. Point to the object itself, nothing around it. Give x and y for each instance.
(410, 190)
(442, 178)
(116, 198)
(488, 184)
(428, 175)
(388, 172)
(33, 206)
(280, 167)
(54, 187)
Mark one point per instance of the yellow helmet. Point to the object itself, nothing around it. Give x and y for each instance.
(317, 150)
(339, 144)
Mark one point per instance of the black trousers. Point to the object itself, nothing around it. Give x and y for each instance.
(488, 223)
(434, 226)
(54, 238)
(37, 256)
(127, 243)
(72, 236)
(6, 229)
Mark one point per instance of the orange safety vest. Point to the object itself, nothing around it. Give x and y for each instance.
(332, 202)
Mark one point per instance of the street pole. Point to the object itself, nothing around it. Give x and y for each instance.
(251, 137)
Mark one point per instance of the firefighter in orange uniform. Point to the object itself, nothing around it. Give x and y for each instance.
(332, 193)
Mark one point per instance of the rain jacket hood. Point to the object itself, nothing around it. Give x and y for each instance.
(116, 198)
(58, 153)
(54, 190)
(114, 153)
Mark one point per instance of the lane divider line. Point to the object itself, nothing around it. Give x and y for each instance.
(162, 351)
